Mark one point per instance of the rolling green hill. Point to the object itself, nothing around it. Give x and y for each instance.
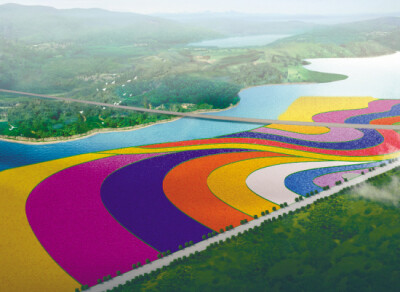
(236, 24)
(377, 32)
(38, 24)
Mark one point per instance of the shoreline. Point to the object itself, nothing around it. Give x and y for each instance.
(275, 84)
(55, 140)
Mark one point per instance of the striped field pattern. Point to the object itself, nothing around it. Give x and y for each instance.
(72, 221)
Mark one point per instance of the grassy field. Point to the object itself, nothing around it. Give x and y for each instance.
(347, 242)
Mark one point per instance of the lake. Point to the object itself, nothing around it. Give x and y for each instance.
(238, 42)
(378, 77)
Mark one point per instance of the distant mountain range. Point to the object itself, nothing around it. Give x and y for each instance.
(40, 24)
(236, 23)
(35, 24)
(384, 31)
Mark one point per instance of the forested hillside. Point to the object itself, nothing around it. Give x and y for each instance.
(38, 24)
(91, 54)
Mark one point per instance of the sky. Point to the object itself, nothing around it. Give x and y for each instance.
(319, 7)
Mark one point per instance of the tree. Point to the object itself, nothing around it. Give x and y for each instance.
(147, 261)
(118, 273)
(180, 246)
(273, 208)
(204, 237)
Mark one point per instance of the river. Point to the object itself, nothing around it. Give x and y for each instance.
(378, 77)
(241, 41)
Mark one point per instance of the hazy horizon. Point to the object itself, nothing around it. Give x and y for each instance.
(290, 7)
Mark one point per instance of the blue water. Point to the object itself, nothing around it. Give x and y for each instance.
(238, 42)
(378, 77)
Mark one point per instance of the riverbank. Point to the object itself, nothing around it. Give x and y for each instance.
(275, 84)
(54, 140)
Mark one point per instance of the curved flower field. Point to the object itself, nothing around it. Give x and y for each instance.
(72, 221)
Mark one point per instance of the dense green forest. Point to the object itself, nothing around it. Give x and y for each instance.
(44, 119)
(92, 54)
(313, 249)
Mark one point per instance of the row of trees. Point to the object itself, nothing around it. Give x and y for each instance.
(320, 245)
(322, 218)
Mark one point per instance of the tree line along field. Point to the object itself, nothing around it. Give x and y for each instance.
(342, 243)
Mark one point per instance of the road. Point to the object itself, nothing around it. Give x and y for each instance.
(200, 246)
(209, 117)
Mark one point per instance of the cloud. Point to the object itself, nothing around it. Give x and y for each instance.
(389, 194)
